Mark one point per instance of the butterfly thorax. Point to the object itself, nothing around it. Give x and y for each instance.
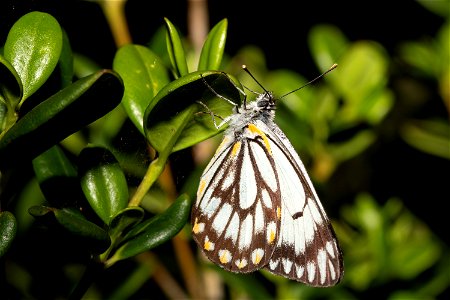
(263, 108)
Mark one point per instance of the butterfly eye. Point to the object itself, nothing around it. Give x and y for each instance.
(263, 103)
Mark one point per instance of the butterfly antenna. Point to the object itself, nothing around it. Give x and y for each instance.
(334, 66)
(251, 75)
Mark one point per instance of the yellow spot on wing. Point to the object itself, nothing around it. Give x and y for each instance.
(256, 130)
(241, 263)
(272, 237)
(197, 227)
(208, 246)
(236, 148)
(222, 144)
(224, 256)
(278, 212)
(201, 187)
(257, 259)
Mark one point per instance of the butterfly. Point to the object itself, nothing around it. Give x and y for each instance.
(256, 206)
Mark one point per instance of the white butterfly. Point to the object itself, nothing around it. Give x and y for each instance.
(256, 206)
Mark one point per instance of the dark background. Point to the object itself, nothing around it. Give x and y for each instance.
(268, 25)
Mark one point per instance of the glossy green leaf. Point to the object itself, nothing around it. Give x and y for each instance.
(175, 50)
(143, 74)
(174, 120)
(155, 231)
(8, 229)
(212, 51)
(33, 47)
(76, 223)
(103, 182)
(57, 177)
(64, 113)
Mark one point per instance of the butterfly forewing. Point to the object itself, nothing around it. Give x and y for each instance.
(236, 217)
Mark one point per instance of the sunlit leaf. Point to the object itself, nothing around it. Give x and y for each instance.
(212, 51)
(143, 74)
(33, 47)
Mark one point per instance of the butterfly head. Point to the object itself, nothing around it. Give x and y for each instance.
(266, 101)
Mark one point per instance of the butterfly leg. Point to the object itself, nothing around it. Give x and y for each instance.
(213, 115)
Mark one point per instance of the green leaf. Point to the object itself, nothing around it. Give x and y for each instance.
(124, 220)
(174, 120)
(212, 51)
(430, 136)
(64, 113)
(353, 146)
(57, 177)
(65, 63)
(422, 56)
(438, 7)
(103, 182)
(361, 79)
(155, 231)
(143, 74)
(74, 221)
(8, 229)
(175, 50)
(33, 47)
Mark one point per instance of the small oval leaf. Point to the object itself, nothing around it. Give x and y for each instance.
(327, 44)
(103, 182)
(175, 50)
(143, 74)
(33, 47)
(8, 229)
(213, 48)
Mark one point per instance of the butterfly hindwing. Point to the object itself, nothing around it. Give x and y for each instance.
(306, 250)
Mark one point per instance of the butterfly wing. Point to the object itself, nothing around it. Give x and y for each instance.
(307, 249)
(236, 218)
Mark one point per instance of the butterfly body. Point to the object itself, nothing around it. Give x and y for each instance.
(257, 208)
